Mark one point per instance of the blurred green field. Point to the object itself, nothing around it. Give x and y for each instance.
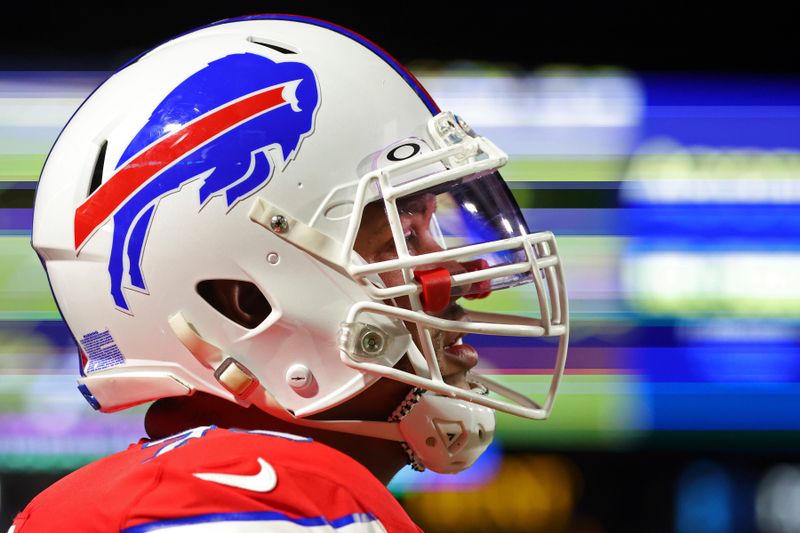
(27, 167)
(24, 291)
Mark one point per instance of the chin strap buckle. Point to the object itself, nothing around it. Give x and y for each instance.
(229, 372)
(236, 378)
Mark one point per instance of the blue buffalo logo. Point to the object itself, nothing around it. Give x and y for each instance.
(221, 125)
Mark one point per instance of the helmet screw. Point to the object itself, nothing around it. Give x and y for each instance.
(279, 224)
(450, 130)
(299, 376)
(372, 342)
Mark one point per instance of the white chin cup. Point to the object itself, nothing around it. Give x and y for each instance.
(446, 435)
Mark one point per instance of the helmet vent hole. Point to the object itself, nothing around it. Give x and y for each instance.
(278, 47)
(97, 173)
(240, 301)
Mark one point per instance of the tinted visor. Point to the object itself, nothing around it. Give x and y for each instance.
(476, 209)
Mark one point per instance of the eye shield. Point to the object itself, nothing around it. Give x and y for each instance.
(470, 211)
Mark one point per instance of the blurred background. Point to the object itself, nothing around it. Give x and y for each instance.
(659, 143)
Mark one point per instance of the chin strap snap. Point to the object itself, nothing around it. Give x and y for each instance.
(229, 372)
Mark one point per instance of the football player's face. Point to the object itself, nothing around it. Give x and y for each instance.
(374, 243)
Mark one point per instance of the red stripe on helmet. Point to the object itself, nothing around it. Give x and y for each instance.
(96, 209)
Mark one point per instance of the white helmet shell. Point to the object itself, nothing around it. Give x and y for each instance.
(238, 151)
(136, 272)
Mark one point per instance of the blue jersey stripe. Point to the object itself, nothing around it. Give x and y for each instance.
(261, 516)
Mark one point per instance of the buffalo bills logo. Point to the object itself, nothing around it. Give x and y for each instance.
(223, 124)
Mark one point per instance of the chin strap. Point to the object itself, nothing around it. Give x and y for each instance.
(245, 387)
(402, 410)
(443, 434)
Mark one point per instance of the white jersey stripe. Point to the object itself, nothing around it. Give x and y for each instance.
(258, 521)
(273, 526)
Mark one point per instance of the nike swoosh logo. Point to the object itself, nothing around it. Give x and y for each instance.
(264, 481)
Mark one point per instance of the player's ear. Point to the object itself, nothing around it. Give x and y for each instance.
(239, 301)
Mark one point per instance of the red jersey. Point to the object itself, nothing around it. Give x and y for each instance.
(211, 479)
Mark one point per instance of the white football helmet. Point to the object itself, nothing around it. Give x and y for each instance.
(248, 151)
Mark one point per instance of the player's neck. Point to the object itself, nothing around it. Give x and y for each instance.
(172, 415)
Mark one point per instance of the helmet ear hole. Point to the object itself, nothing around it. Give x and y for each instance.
(239, 301)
